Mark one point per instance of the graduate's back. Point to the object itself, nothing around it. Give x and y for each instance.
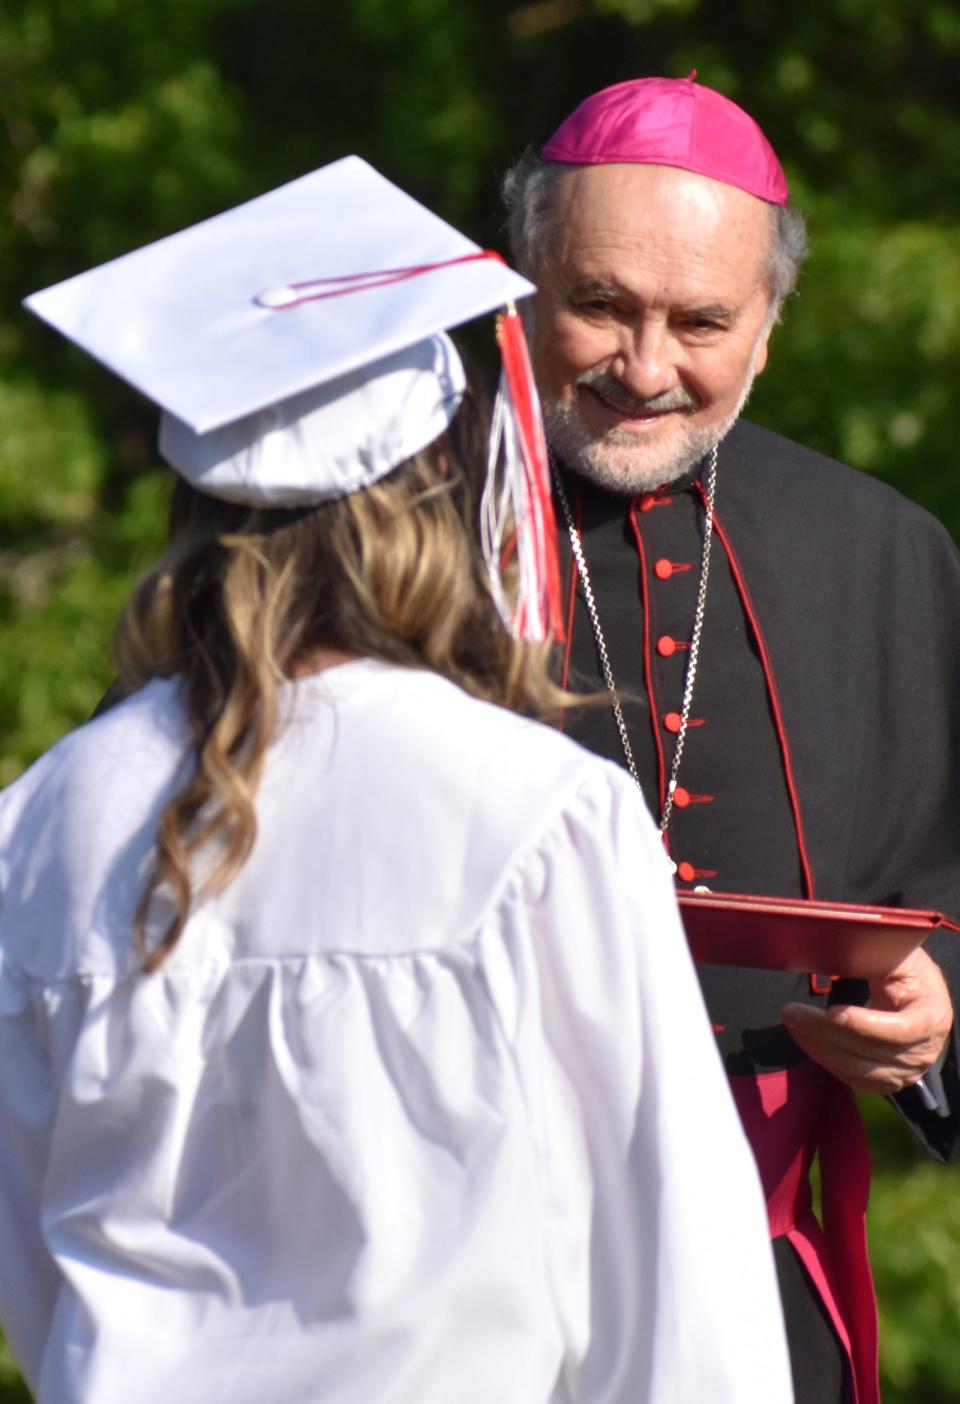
(416, 1108)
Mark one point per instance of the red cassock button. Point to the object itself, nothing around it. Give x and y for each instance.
(647, 501)
(681, 797)
(686, 872)
(672, 721)
(666, 646)
(663, 569)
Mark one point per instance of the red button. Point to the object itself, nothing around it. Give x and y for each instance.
(672, 721)
(686, 872)
(647, 501)
(666, 646)
(682, 798)
(663, 569)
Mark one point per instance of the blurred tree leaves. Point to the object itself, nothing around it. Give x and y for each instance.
(121, 121)
(865, 367)
(119, 128)
(914, 1235)
(915, 1238)
(12, 1388)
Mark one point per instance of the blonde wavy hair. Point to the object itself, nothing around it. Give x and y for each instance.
(244, 598)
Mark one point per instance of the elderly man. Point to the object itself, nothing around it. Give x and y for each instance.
(782, 632)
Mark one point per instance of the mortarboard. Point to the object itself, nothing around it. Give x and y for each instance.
(671, 122)
(295, 345)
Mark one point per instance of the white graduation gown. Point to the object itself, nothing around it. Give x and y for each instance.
(424, 1109)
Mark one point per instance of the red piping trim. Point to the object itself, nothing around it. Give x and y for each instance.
(822, 984)
(781, 730)
(787, 1115)
(648, 662)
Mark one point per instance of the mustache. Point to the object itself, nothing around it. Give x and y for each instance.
(607, 385)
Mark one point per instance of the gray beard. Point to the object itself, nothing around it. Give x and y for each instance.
(617, 462)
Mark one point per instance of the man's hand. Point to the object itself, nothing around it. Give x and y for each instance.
(891, 1041)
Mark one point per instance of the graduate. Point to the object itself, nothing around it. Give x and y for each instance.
(349, 1045)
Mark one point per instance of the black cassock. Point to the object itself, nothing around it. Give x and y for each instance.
(823, 752)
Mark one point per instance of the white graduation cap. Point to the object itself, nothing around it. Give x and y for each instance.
(248, 311)
(295, 343)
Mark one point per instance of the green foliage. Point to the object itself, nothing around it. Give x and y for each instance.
(12, 1388)
(864, 368)
(59, 600)
(52, 460)
(914, 1227)
(121, 128)
(123, 121)
(915, 1232)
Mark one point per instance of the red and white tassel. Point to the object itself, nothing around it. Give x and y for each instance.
(516, 511)
(517, 497)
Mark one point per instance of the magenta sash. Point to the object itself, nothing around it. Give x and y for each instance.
(789, 1116)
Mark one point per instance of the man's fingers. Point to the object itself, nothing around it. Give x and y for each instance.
(885, 1030)
(888, 1043)
(871, 1050)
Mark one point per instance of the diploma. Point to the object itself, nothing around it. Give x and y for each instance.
(785, 933)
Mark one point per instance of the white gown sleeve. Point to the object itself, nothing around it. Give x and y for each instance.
(657, 1241)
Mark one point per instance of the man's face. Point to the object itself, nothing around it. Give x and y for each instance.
(652, 319)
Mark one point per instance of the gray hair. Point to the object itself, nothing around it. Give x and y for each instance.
(529, 190)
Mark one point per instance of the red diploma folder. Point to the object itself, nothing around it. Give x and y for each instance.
(786, 933)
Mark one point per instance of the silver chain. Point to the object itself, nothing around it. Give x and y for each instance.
(693, 656)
